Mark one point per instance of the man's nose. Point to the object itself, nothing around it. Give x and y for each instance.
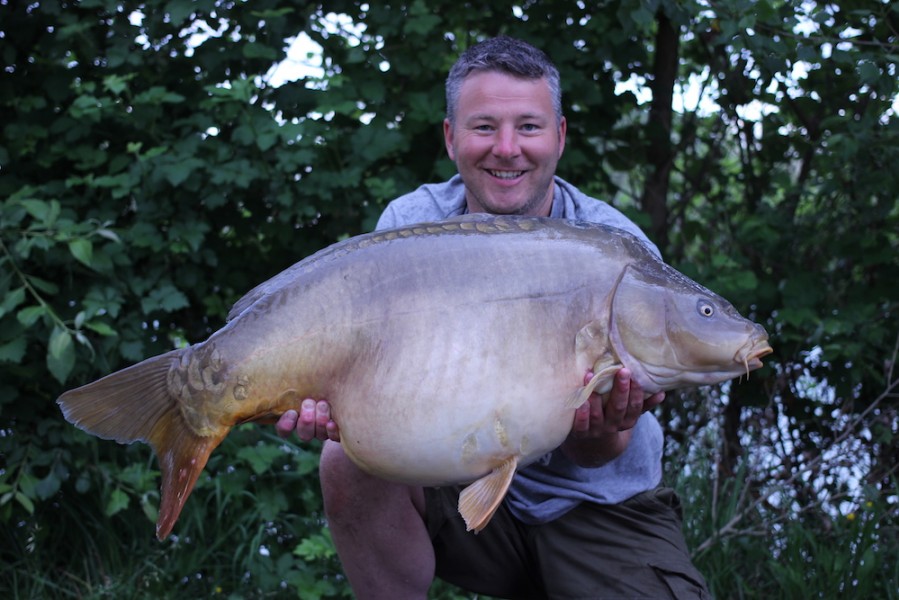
(506, 143)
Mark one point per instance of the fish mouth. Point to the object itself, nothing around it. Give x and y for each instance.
(751, 357)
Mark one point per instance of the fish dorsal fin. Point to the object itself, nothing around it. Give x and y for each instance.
(479, 501)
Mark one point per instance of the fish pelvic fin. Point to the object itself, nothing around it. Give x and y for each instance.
(479, 501)
(135, 405)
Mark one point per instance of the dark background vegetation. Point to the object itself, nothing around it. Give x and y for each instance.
(151, 172)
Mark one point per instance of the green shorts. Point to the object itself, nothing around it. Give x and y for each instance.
(635, 549)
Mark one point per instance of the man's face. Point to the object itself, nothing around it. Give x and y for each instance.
(506, 144)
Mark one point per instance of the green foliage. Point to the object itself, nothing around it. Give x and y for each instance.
(764, 533)
(151, 173)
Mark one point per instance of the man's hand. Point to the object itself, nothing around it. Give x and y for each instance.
(617, 412)
(312, 422)
(601, 428)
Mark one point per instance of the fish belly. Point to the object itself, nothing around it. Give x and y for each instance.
(451, 404)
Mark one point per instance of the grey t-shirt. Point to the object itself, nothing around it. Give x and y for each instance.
(554, 485)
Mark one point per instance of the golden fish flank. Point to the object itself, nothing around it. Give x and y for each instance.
(450, 352)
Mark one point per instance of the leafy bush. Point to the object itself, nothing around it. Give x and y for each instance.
(151, 173)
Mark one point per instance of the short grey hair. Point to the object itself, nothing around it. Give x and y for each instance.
(504, 55)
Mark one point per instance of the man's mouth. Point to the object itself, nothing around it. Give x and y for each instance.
(505, 174)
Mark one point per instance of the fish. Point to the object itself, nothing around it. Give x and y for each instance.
(451, 352)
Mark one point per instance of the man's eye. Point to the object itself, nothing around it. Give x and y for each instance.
(530, 127)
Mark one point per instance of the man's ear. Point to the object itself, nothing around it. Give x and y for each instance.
(448, 139)
(563, 129)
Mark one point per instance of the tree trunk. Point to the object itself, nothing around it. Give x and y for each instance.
(659, 152)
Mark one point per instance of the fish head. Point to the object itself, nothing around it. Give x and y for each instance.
(672, 332)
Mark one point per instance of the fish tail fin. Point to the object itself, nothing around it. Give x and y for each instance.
(182, 455)
(135, 405)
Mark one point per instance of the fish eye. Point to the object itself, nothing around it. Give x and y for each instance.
(705, 308)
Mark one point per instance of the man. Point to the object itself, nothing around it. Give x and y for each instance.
(586, 521)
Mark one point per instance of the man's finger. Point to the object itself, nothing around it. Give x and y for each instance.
(286, 424)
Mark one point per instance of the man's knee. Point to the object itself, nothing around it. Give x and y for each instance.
(349, 492)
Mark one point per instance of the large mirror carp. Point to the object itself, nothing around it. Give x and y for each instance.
(450, 352)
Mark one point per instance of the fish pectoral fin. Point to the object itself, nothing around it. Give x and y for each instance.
(479, 501)
(600, 383)
(592, 347)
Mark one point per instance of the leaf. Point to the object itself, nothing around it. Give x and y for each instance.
(43, 285)
(82, 250)
(60, 342)
(83, 483)
(13, 351)
(148, 504)
(422, 24)
(868, 72)
(118, 501)
(315, 547)
(158, 95)
(116, 84)
(271, 502)
(26, 502)
(260, 457)
(109, 234)
(132, 350)
(178, 172)
(166, 298)
(60, 354)
(43, 211)
(266, 140)
(28, 316)
(642, 17)
(48, 486)
(101, 328)
(12, 300)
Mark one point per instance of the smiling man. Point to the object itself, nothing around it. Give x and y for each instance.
(588, 520)
(506, 138)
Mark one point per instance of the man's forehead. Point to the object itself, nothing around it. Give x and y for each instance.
(483, 115)
(480, 78)
(500, 88)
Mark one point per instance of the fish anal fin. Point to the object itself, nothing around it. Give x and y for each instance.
(600, 383)
(182, 454)
(479, 501)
